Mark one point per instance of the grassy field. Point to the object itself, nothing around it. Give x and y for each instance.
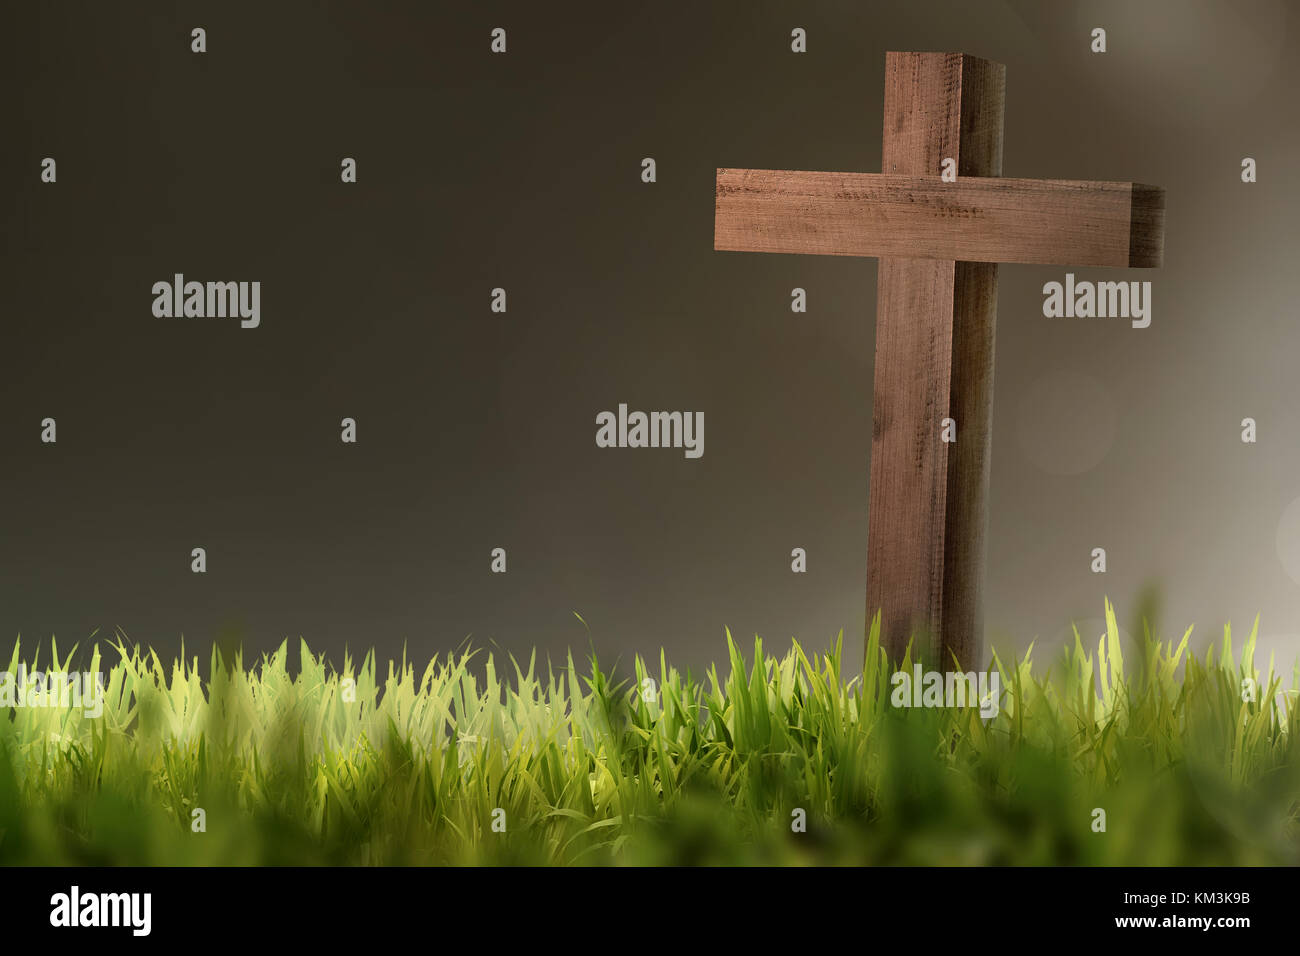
(472, 761)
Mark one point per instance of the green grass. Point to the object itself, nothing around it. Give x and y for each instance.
(587, 771)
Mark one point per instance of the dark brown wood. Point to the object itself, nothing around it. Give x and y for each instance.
(939, 244)
(1146, 245)
(1035, 221)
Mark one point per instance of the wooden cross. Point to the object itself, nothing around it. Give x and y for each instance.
(939, 244)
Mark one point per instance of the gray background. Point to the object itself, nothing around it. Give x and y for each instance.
(477, 430)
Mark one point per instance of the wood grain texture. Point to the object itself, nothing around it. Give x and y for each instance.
(934, 359)
(1040, 221)
(927, 118)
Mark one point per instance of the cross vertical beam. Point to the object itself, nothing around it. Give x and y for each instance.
(934, 360)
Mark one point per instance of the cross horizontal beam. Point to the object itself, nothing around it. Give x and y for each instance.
(974, 219)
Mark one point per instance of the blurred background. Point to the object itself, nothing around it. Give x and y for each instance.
(476, 429)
